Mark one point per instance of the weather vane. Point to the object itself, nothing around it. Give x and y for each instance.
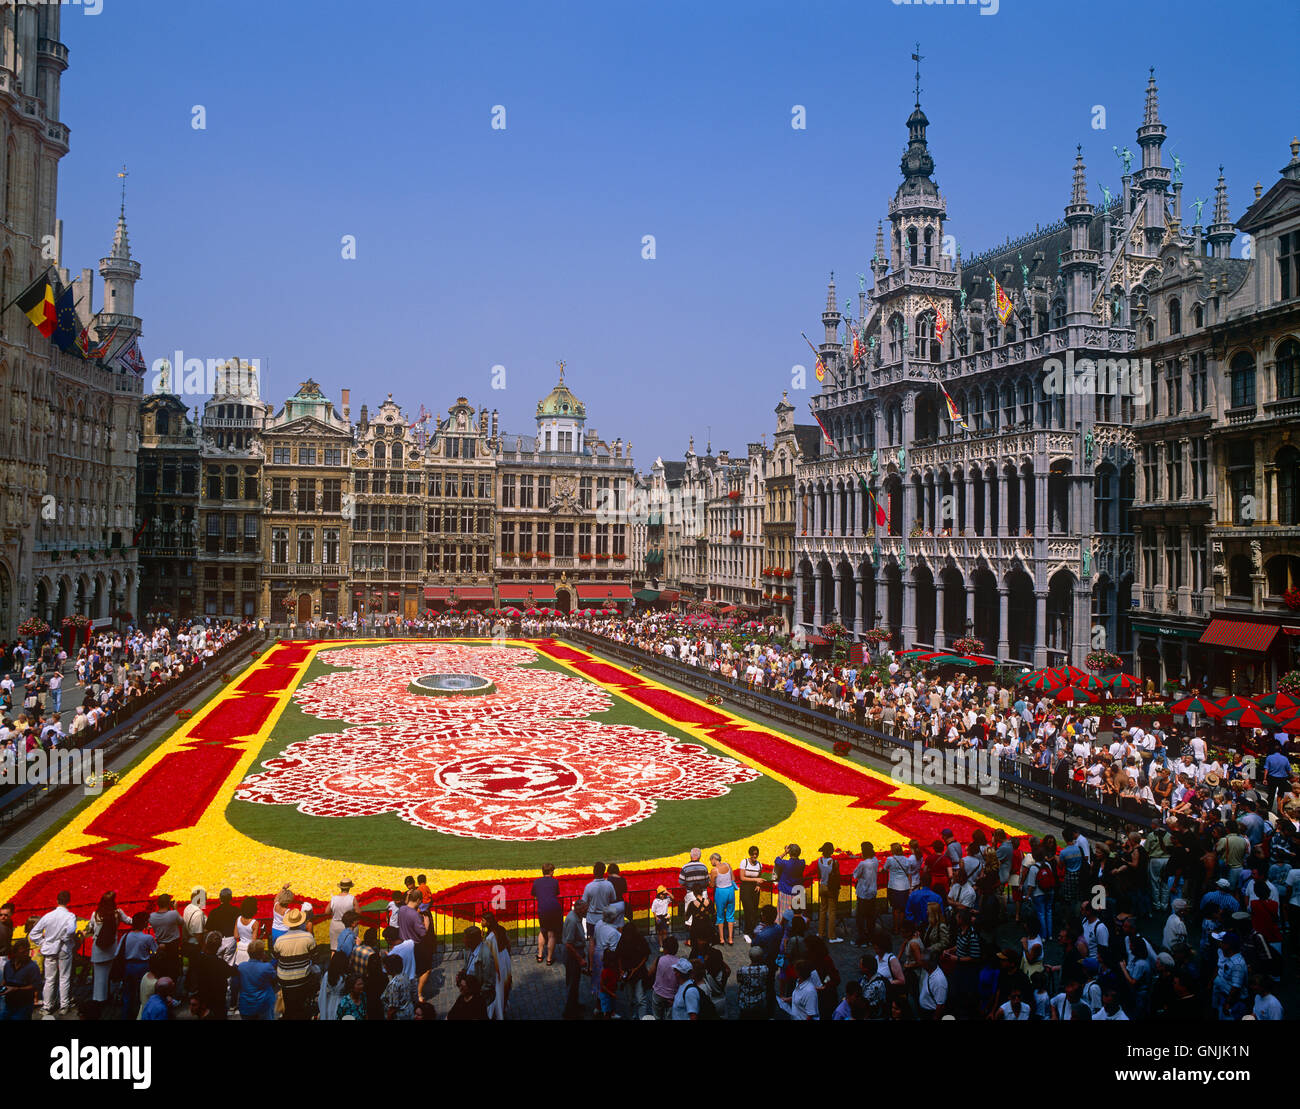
(560, 363)
(917, 58)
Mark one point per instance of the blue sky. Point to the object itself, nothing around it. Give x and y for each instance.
(478, 247)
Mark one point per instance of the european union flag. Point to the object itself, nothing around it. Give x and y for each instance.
(68, 325)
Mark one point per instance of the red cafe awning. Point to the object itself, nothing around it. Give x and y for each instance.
(518, 591)
(474, 593)
(436, 593)
(1240, 635)
(604, 590)
(669, 595)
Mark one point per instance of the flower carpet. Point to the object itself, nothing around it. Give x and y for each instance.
(321, 761)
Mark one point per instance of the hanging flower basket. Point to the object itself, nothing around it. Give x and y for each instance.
(876, 636)
(620, 558)
(1103, 660)
(1289, 682)
(968, 645)
(602, 558)
(584, 558)
(33, 625)
(736, 533)
(835, 631)
(733, 495)
(1292, 599)
(842, 747)
(288, 604)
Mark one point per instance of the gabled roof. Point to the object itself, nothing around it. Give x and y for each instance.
(809, 438)
(1279, 202)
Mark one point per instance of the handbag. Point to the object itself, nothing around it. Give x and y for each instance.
(117, 970)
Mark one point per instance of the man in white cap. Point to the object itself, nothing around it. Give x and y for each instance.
(1175, 926)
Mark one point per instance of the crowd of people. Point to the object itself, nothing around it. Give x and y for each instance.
(51, 697)
(1157, 762)
(1175, 924)
(1194, 917)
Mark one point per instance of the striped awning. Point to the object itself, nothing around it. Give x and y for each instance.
(1242, 635)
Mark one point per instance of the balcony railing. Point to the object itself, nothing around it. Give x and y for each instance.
(301, 569)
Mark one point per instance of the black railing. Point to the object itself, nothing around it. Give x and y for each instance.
(1018, 782)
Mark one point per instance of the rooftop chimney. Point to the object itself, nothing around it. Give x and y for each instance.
(347, 397)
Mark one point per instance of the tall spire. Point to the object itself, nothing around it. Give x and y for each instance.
(1080, 193)
(831, 317)
(1220, 233)
(880, 241)
(1153, 109)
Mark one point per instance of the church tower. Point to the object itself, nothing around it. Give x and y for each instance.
(1152, 179)
(120, 273)
(1079, 264)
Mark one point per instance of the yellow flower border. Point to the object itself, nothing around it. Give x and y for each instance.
(202, 856)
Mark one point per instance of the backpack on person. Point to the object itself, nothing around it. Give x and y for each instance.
(1045, 878)
(708, 1011)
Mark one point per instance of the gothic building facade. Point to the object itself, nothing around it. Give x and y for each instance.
(1014, 527)
(67, 460)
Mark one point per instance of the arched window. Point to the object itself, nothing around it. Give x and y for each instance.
(1283, 572)
(1198, 316)
(911, 245)
(1058, 313)
(381, 454)
(1242, 374)
(1288, 370)
(929, 245)
(1175, 317)
(397, 454)
(895, 338)
(925, 337)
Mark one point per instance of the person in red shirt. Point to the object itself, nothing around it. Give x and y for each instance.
(937, 864)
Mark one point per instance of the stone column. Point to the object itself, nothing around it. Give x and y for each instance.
(1003, 493)
(1004, 644)
(859, 586)
(1040, 631)
(908, 629)
(940, 638)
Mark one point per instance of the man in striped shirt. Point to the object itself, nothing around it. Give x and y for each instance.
(294, 965)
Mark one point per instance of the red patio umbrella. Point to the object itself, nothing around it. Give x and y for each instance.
(1069, 673)
(1043, 681)
(1122, 683)
(1231, 704)
(1197, 705)
(1292, 725)
(1276, 701)
(1251, 717)
(1073, 695)
(1094, 683)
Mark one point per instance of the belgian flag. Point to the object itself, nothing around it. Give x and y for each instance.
(37, 304)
